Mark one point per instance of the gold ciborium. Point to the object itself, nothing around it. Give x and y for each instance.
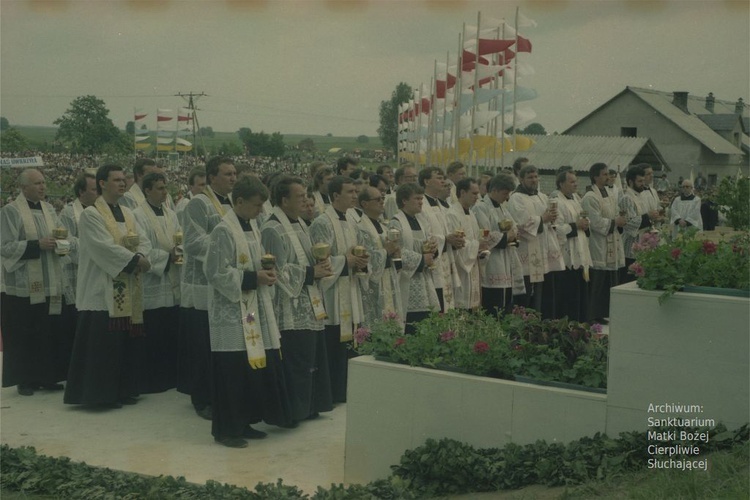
(268, 262)
(394, 235)
(60, 233)
(131, 241)
(321, 251)
(62, 245)
(177, 239)
(359, 251)
(506, 225)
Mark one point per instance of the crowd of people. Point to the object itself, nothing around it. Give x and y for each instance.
(248, 292)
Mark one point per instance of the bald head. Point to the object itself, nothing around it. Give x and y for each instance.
(31, 182)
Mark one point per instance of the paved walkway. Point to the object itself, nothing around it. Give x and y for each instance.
(161, 435)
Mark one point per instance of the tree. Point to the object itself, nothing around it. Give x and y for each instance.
(130, 128)
(86, 126)
(206, 132)
(12, 141)
(4, 123)
(535, 129)
(388, 130)
(262, 144)
(363, 139)
(306, 144)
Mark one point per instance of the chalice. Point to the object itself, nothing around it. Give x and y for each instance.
(177, 239)
(321, 251)
(394, 235)
(359, 251)
(62, 245)
(268, 262)
(506, 225)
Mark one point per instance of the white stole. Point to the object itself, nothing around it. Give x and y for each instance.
(349, 311)
(313, 290)
(386, 289)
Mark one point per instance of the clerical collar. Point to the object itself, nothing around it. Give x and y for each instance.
(159, 211)
(245, 224)
(377, 225)
(687, 198)
(524, 190)
(568, 196)
(326, 198)
(432, 201)
(117, 212)
(224, 200)
(604, 192)
(466, 211)
(494, 203)
(413, 222)
(342, 215)
(34, 205)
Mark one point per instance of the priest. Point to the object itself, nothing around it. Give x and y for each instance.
(686, 209)
(467, 296)
(109, 297)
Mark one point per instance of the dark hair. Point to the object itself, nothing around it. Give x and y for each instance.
(400, 172)
(426, 174)
(282, 187)
(360, 174)
(81, 183)
(337, 183)
(612, 171)
(406, 191)
(464, 185)
(212, 166)
(196, 172)
(517, 164)
(150, 179)
(634, 172)
(343, 162)
(377, 179)
(501, 182)
(596, 170)
(382, 169)
(249, 187)
(562, 176)
(140, 166)
(322, 173)
(644, 166)
(454, 167)
(314, 167)
(102, 174)
(526, 170)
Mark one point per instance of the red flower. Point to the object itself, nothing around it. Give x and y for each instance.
(709, 247)
(518, 347)
(481, 347)
(676, 253)
(399, 342)
(447, 335)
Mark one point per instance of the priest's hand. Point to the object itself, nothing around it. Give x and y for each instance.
(143, 265)
(391, 247)
(429, 259)
(173, 255)
(682, 223)
(455, 240)
(620, 220)
(266, 277)
(549, 215)
(654, 215)
(361, 262)
(512, 235)
(322, 269)
(582, 224)
(47, 243)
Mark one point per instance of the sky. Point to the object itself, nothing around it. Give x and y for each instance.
(324, 66)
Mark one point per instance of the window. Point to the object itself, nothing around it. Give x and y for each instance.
(628, 132)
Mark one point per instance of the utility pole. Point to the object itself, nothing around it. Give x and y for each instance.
(191, 98)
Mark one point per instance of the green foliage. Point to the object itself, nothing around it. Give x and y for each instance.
(388, 129)
(87, 128)
(668, 264)
(363, 139)
(4, 123)
(130, 128)
(501, 347)
(206, 132)
(12, 141)
(262, 144)
(444, 467)
(535, 129)
(306, 144)
(733, 198)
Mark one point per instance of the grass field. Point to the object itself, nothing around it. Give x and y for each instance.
(38, 136)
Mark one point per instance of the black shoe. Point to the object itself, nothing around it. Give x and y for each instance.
(313, 416)
(231, 442)
(25, 390)
(291, 425)
(251, 433)
(109, 406)
(205, 413)
(52, 387)
(129, 401)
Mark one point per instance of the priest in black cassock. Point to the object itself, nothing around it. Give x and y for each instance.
(298, 302)
(201, 216)
(109, 298)
(32, 278)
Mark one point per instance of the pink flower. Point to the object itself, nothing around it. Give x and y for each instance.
(399, 342)
(519, 310)
(481, 347)
(361, 335)
(709, 247)
(447, 335)
(596, 328)
(637, 269)
(676, 253)
(391, 316)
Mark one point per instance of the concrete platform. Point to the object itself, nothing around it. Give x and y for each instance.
(161, 435)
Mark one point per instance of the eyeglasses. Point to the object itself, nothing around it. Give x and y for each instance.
(377, 199)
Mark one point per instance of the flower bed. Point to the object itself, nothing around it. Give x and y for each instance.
(518, 344)
(669, 264)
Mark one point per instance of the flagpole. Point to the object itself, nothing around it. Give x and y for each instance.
(515, 79)
(443, 156)
(457, 97)
(472, 157)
